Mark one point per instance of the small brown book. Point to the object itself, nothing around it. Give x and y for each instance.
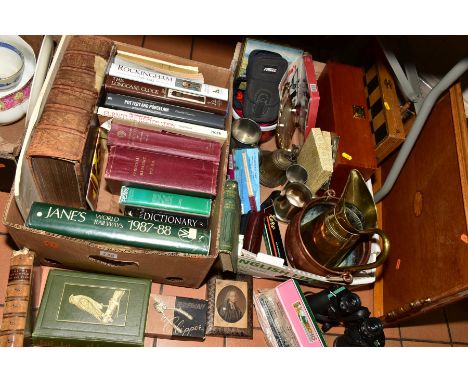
(17, 299)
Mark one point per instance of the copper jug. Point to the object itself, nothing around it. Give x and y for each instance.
(321, 242)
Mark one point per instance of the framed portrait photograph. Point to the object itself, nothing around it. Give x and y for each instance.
(230, 306)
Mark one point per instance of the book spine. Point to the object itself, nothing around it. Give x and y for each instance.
(125, 86)
(168, 143)
(159, 79)
(161, 124)
(230, 219)
(91, 225)
(129, 166)
(160, 216)
(17, 298)
(164, 110)
(165, 201)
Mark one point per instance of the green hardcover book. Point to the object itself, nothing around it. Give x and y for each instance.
(230, 226)
(126, 230)
(88, 309)
(165, 201)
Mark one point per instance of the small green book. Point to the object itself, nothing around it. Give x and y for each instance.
(165, 201)
(230, 226)
(88, 309)
(125, 230)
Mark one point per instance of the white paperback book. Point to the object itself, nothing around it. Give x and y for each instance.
(159, 79)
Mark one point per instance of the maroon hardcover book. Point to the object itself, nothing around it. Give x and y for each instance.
(167, 143)
(158, 93)
(140, 168)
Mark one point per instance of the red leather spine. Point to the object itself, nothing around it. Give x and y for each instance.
(167, 143)
(146, 169)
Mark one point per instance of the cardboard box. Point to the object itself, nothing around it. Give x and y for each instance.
(163, 267)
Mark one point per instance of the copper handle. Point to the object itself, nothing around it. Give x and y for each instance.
(380, 259)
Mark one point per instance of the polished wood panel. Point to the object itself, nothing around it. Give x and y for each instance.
(425, 215)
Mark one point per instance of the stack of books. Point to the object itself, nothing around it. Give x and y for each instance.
(165, 139)
(166, 130)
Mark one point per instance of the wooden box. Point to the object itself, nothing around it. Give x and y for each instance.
(425, 216)
(385, 114)
(343, 111)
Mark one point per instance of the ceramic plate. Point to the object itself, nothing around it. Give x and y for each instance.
(29, 64)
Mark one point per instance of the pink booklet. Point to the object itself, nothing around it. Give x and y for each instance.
(286, 318)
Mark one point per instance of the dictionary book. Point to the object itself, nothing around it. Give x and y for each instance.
(166, 201)
(88, 309)
(160, 216)
(124, 230)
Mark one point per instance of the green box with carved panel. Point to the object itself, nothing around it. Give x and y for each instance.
(88, 309)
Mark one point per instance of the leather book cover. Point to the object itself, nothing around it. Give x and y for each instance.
(69, 96)
(168, 143)
(87, 309)
(99, 46)
(128, 166)
(64, 116)
(61, 147)
(76, 59)
(118, 229)
(76, 78)
(343, 110)
(59, 142)
(121, 85)
(176, 316)
(253, 232)
(164, 110)
(17, 300)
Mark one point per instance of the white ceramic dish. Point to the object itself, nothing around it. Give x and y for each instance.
(43, 61)
(14, 101)
(11, 65)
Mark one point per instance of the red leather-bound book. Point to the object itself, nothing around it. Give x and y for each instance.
(146, 169)
(167, 143)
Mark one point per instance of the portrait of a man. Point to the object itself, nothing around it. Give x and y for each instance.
(229, 306)
(229, 309)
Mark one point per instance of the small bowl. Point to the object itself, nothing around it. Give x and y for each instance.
(245, 132)
(11, 65)
(14, 106)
